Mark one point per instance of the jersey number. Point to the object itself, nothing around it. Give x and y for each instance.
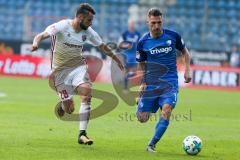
(63, 94)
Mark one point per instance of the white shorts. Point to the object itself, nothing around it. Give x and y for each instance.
(66, 81)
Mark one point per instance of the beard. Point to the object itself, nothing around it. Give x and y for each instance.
(82, 26)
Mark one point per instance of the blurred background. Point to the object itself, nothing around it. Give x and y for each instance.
(210, 28)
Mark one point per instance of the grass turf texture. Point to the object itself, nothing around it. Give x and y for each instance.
(30, 130)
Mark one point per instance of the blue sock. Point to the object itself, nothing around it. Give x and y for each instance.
(159, 130)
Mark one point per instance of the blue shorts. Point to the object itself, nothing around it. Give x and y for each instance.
(152, 104)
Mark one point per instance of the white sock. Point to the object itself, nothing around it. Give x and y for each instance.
(84, 115)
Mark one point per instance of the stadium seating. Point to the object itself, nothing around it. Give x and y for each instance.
(205, 25)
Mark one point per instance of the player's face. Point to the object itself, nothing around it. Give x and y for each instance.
(131, 26)
(155, 24)
(86, 21)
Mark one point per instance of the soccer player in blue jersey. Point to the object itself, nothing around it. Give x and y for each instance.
(128, 42)
(156, 57)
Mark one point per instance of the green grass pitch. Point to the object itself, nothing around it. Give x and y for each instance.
(29, 129)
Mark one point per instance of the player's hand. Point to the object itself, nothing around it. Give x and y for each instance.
(187, 76)
(34, 48)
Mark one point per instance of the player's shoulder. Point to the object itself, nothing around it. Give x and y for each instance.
(91, 31)
(171, 32)
(144, 37)
(64, 23)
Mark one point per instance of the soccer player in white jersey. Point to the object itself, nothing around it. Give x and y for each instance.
(69, 70)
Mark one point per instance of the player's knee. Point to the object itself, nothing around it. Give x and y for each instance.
(85, 93)
(68, 106)
(142, 120)
(166, 112)
(84, 89)
(86, 99)
(143, 117)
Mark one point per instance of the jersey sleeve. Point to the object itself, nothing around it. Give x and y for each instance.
(56, 27)
(140, 54)
(95, 39)
(180, 45)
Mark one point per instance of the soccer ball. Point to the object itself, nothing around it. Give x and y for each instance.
(192, 145)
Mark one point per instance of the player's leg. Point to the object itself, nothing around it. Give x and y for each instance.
(162, 125)
(143, 116)
(167, 103)
(79, 80)
(64, 91)
(145, 108)
(68, 106)
(64, 106)
(84, 90)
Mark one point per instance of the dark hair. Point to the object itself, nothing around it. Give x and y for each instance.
(154, 12)
(85, 8)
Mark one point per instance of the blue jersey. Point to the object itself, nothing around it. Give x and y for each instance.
(160, 57)
(132, 37)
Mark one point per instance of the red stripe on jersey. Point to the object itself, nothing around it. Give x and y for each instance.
(53, 42)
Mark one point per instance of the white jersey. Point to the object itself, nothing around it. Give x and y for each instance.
(67, 45)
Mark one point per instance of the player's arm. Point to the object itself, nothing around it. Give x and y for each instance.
(187, 58)
(141, 58)
(108, 51)
(97, 41)
(38, 38)
(51, 30)
(180, 45)
(141, 73)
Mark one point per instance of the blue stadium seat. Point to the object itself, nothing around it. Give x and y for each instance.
(222, 23)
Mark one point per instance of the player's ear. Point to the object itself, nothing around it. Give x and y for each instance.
(161, 18)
